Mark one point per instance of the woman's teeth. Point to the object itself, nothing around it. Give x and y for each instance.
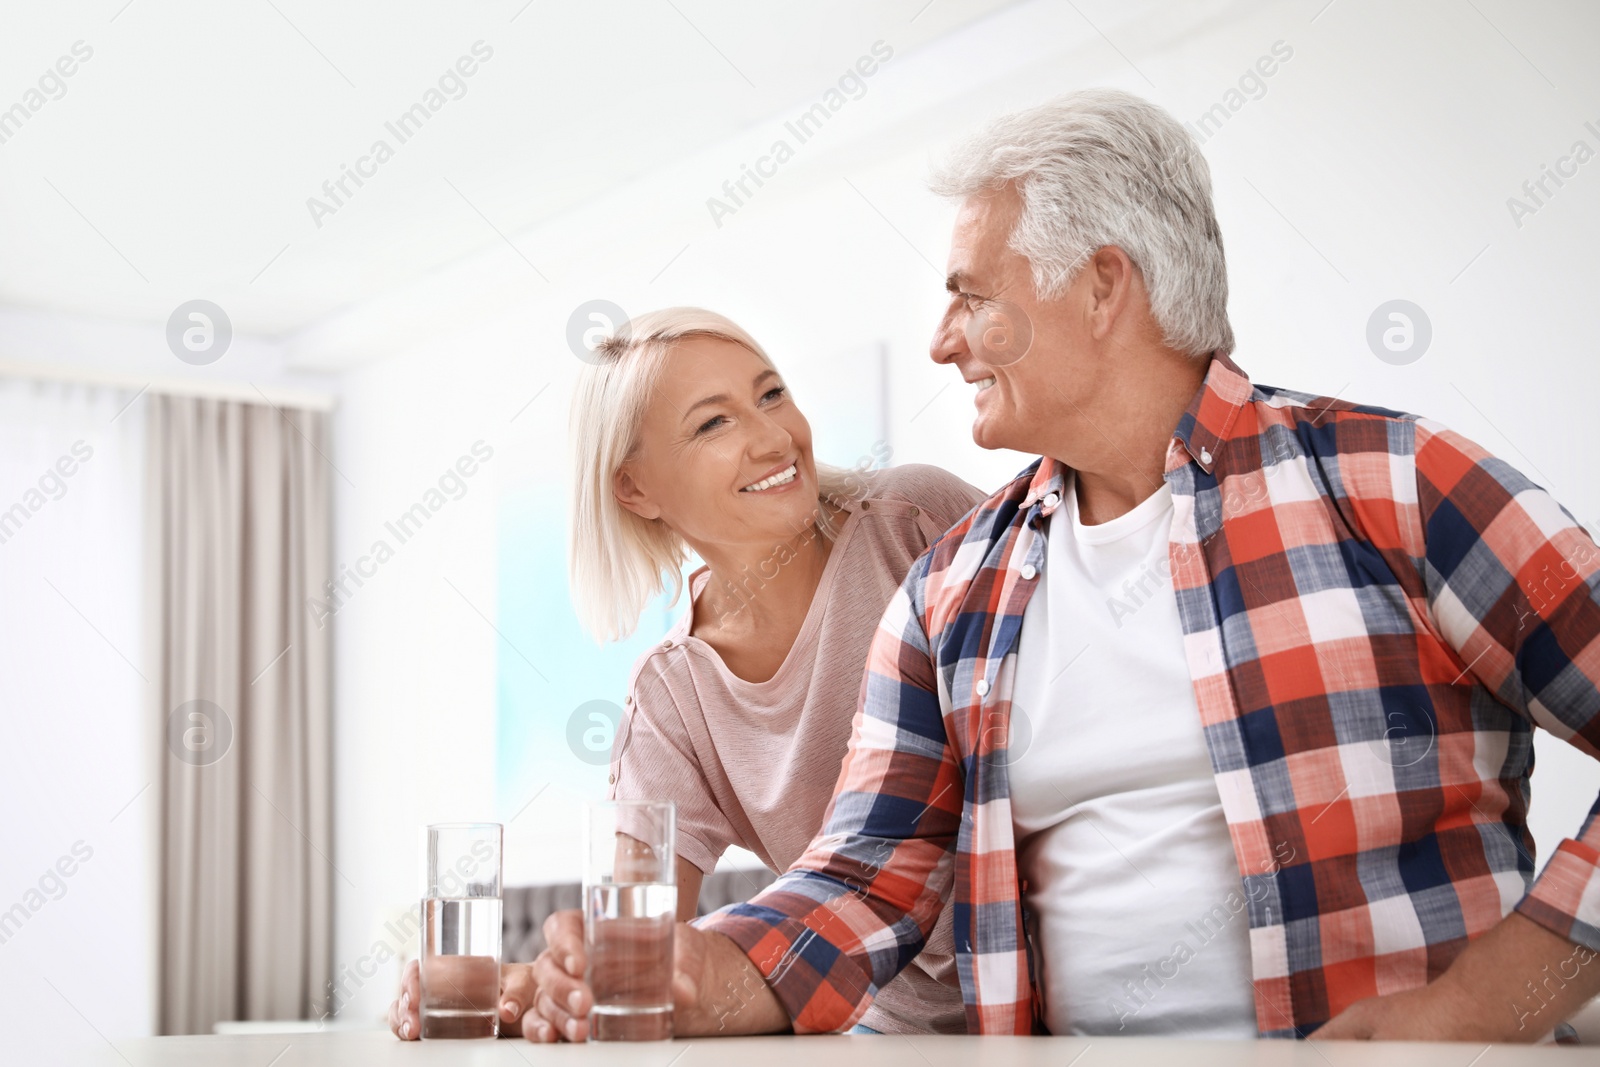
(783, 477)
(984, 383)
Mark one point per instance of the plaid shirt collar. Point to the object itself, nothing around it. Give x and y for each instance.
(1199, 437)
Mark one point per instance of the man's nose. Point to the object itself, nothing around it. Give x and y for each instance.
(949, 339)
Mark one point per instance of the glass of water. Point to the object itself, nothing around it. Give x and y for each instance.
(460, 959)
(630, 902)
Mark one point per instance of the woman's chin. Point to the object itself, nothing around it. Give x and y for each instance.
(784, 516)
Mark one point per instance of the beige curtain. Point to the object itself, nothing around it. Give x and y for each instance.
(238, 540)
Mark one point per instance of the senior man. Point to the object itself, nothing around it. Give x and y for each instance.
(1217, 719)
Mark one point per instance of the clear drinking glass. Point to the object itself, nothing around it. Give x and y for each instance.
(630, 902)
(460, 958)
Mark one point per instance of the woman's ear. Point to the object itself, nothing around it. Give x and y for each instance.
(631, 496)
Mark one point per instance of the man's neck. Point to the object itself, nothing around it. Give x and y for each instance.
(1122, 459)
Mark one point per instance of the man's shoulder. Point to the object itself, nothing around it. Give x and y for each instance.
(1328, 425)
(1313, 407)
(1378, 452)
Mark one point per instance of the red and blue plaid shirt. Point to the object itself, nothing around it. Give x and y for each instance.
(1375, 612)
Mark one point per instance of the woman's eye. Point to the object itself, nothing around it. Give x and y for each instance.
(775, 392)
(710, 424)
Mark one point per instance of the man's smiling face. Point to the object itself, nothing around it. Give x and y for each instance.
(1018, 351)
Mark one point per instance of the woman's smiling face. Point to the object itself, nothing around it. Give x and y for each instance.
(723, 454)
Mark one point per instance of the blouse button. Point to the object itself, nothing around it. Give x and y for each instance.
(1205, 455)
(1028, 572)
(611, 779)
(1052, 499)
(865, 504)
(628, 699)
(666, 645)
(915, 512)
(983, 687)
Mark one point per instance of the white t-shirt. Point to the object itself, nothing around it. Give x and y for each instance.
(1136, 896)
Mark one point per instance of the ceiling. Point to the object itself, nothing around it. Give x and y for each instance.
(179, 159)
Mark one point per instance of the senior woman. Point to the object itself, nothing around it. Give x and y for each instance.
(686, 440)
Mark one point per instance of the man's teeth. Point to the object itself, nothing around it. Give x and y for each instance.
(984, 383)
(781, 478)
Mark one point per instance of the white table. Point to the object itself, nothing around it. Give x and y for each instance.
(381, 1050)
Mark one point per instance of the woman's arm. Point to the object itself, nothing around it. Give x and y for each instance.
(862, 900)
(689, 880)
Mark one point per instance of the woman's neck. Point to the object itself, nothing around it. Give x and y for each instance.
(761, 592)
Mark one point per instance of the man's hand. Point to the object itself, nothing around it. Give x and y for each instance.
(562, 1008)
(517, 990)
(1431, 1013)
(715, 987)
(1513, 984)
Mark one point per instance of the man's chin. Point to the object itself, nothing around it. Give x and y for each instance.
(986, 435)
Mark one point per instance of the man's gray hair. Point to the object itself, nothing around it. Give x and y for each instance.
(1103, 167)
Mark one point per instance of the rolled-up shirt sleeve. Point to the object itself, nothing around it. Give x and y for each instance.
(653, 759)
(1513, 583)
(857, 907)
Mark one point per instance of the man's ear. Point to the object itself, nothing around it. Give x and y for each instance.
(631, 496)
(1114, 282)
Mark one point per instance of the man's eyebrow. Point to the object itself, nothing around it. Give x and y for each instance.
(720, 398)
(955, 282)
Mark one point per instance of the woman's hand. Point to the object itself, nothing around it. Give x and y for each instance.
(517, 992)
(561, 1010)
(405, 1019)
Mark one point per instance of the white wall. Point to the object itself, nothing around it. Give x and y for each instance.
(75, 872)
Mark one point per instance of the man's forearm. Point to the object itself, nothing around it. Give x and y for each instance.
(1516, 983)
(1524, 979)
(720, 991)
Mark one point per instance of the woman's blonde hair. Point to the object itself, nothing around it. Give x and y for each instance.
(618, 561)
